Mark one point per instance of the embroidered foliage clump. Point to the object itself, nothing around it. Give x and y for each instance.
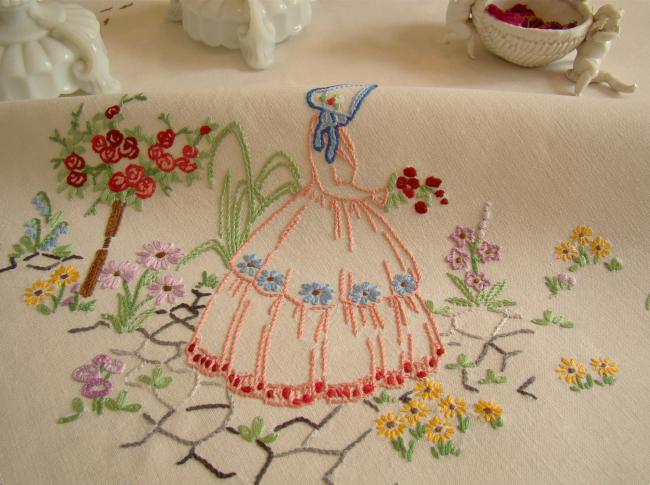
(242, 202)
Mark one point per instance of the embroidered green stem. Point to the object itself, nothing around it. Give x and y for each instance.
(445, 449)
(207, 281)
(78, 408)
(120, 404)
(129, 316)
(474, 259)
(443, 310)
(463, 423)
(549, 318)
(405, 452)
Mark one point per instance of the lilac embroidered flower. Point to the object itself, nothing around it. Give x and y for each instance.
(167, 287)
(317, 293)
(249, 265)
(489, 252)
(42, 204)
(478, 281)
(403, 284)
(115, 272)
(463, 235)
(160, 255)
(114, 366)
(97, 387)
(271, 280)
(364, 293)
(86, 373)
(457, 259)
(565, 279)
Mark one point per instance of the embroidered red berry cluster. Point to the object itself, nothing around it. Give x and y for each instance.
(408, 186)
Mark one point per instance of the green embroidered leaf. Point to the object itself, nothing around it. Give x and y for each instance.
(43, 309)
(460, 284)
(68, 419)
(458, 301)
(112, 405)
(392, 181)
(398, 444)
(463, 423)
(27, 244)
(566, 324)
(590, 381)
(613, 265)
(146, 380)
(256, 426)
(597, 382)
(132, 408)
(501, 303)
(77, 405)
(539, 321)
(245, 432)
(86, 306)
(409, 453)
(495, 291)
(269, 438)
(164, 382)
(62, 251)
(647, 303)
(17, 251)
(435, 453)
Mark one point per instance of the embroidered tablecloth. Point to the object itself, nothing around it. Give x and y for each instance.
(348, 284)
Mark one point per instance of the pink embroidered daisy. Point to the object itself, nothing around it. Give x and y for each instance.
(457, 259)
(168, 288)
(489, 252)
(97, 387)
(160, 255)
(463, 235)
(478, 281)
(114, 366)
(115, 272)
(86, 373)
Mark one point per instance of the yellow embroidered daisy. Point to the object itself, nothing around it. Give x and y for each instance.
(439, 429)
(65, 276)
(390, 426)
(488, 411)
(415, 411)
(581, 234)
(600, 247)
(565, 251)
(570, 370)
(430, 390)
(604, 366)
(451, 407)
(39, 291)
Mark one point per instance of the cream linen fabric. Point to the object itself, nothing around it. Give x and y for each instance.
(547, 163)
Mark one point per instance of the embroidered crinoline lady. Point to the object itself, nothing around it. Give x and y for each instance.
(322, 301)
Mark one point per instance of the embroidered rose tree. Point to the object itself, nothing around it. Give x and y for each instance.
(124, 166)
(469, 252)
(144, 285)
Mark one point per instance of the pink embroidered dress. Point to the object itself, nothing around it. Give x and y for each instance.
(322, 301)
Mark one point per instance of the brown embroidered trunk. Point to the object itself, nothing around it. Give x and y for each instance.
(112, 225)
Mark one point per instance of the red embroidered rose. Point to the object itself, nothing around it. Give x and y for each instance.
(410, 172)
(205, 130)
(166, 138)
(186, 165)
(74, 162)
(145, 188)
(133, 174)
(114, 138)
(118, 182)
(129, 148)
(190, 151)
(110, 155)
(111, 111)
(155, 152)
(76, 179)
(421, 207)
(166, 162)
(433, 181)
(99, 143)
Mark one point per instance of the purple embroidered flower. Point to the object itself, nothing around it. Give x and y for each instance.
(114, 366)
(167, 288)
(478, 281)
(160, 255)
(403, 284)
(463, 235)
(457, 259)
(117, 271)
(86, 373)
(97, 387)
(75, 288)
(489, 252)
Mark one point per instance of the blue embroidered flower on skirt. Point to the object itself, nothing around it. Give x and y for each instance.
(404, 284)
(364, 293)
(249, 265)
(41, 205)
(317, 293)
(271, 280)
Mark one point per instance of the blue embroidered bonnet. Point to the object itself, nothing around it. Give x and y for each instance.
(338, 105)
